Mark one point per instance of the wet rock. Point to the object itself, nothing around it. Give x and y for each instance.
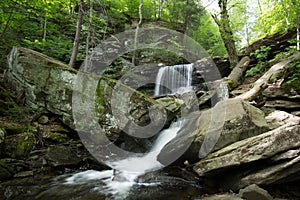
(253, 192)
(228, 122)
(62, 156)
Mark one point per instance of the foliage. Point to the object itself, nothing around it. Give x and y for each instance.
(261, 55)
(293, 76)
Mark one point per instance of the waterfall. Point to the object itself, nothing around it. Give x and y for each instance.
(174, 79)
(170, 80)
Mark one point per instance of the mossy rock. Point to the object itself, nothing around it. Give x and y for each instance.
(56, 137)
(6, 169)
(26, 144)
(62, 156)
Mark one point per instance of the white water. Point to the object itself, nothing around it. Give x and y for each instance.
(174, 79)
(119, 181)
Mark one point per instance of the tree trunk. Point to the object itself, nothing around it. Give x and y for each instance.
(45, 28)
(236, 74)
(88, 38)
(226, 33)
(160, 8)
(77, 35)
(298, 39)
(137, 30)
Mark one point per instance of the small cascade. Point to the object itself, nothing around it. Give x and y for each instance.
(117, 182)
(126, 172)
(174, 79)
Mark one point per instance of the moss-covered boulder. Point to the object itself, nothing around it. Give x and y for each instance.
(46, 83)
(26, 144)
(62, 156)
(41, 81)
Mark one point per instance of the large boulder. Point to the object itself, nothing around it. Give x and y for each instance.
(41, 81)
(269, 158)
(46, 83)
(227, 122)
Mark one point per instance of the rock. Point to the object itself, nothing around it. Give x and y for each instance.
(253, 192)
(283, 104)
(62, 156)
(228, 122)
(43, 81)
(25, 145)
(23, 174)
(2, 140)
(220, 197)
(6, 170)
(43, 120)
(279, 118)
(241, 160)
(48, 84)
(9, 167)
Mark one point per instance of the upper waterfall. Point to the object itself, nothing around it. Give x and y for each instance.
(174, 79)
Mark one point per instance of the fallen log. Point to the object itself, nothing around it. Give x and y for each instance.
(274, 73)
(271, 76)
(234, 78)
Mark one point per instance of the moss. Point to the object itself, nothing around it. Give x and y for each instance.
(57, 137)
(12, 129)
(26, 143)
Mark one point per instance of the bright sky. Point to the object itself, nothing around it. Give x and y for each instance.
(211, 5)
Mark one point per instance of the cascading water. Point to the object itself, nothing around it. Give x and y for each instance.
(174, 79)
(119, 181)
(116, 184)
(170, 80)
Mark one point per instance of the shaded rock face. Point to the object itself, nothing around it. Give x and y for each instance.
(269, 158)
(42, 82)
(227, 122)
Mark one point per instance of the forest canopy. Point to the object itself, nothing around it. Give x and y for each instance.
(49, 26)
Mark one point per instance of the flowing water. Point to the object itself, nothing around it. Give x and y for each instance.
(123, 181)
(125, 173)
(174, 79)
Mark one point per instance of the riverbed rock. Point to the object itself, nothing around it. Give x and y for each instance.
(227, 122)
(269, 158)
(252, 192)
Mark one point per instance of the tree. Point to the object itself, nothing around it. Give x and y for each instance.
(77, 35)
(226, 33)
(137, 29)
